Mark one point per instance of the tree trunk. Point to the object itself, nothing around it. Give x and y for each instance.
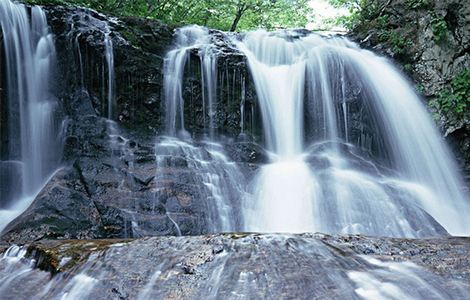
(239, 15)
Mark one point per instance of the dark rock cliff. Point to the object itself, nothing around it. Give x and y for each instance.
(139, 48)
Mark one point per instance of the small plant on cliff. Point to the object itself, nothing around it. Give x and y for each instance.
(398, 42)
(417, 4)
(457, 99)
(439, 29)
(408, 68)
(382, 21)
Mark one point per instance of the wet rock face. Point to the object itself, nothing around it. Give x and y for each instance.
(235, 93)
(139, 48)
(430, 41)
(434, 60)
(113, 185)
(243, 266)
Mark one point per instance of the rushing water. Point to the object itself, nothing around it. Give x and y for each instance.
(352, 152)
(33, 149)
(188, 39)
(220, 267)
(109, 55)
(217, 182)
(210, 177)
(295, 74)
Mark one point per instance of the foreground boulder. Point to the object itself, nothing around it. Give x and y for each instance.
(240, 266)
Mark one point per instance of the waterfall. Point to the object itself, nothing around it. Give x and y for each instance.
(209, 84)
(216, 181)
(32, 150)
(190, 38)
(347, 155)
(210, 178)
(334, 185)
(109, 55)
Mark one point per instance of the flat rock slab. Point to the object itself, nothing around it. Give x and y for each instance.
(239, 266)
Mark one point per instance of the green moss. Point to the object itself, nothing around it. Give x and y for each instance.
(419, 88)
(49, 253)
(455, 100)
(397, 40)
(439, 29)
(130, 36)
(408, 68)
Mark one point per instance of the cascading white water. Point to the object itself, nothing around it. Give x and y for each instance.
(190, 38)
(416, 146)
(333, 186)
(33, 135)
(284, 190)
(209, 83)
(109, 55)
(295, 194)
(221, 180)
(216, 182)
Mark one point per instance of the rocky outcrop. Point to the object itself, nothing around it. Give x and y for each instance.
(430, 40)
(241, 266)
(113, 186)
(139, 48)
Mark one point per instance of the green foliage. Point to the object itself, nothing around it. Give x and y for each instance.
(457, 99)
(408, 68)
(417, 4)
(382, 21)
(396, 39)
(419, 88)
(220, 14)
(439, 29)
(48, 2)
(360, 11)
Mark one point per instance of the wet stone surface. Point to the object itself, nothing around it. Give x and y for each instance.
(245, 266)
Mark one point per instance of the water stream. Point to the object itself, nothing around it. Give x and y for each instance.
(32, 152)
(246, 267)
(304, 79)
(351, 150)
(188, 39)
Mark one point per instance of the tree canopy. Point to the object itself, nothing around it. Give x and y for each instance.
(233, 15)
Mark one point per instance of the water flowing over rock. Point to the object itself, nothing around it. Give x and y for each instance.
(286, 64)
(109, 53)
(30, 128)
(344, 153)
(238, 267)
(173, 138)
(429, 40)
